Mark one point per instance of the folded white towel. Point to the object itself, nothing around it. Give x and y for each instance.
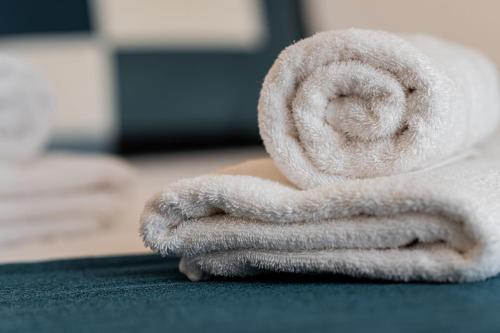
(99, 204)
(62, 173)
(38, 197)
(437, 225)
(47, 229)
(52, 195)
(338, 112)
(360, 103)
(26, 110)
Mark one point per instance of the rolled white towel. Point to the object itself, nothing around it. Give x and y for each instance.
(361, 103)
(26, 110)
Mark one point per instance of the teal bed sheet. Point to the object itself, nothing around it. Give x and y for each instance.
(146, 293)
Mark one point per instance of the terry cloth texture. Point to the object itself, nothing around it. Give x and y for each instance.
(26, 110)
(147, 293)
(60, 194)
(366, 126)
(438, 225)
(361, 103)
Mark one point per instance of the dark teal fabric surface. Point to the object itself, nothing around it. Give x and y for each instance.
(146, 293)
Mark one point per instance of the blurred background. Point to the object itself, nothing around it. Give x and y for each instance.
(162, 75)
(172, 85)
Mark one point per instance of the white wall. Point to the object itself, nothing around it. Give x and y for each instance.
(192, 23)
(471, 22)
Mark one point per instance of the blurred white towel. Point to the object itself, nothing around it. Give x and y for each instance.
(45, 229)
(62, 173)
(47, 195)
(60, 194)
(26, 110)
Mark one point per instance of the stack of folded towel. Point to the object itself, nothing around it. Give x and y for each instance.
(379, 169)
(47, 195)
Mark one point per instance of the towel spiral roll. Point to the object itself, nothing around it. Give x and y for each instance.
(26, 109)
(361, 103)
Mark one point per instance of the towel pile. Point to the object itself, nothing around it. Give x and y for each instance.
(47, 195)
(379, 168)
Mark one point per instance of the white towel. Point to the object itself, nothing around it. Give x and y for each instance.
(438, 225)
(363, 123)
(48, 195)
(63, 173)
(26, 110)
(99, 204)
(47, 229)
(55, 195)
(360, 103)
